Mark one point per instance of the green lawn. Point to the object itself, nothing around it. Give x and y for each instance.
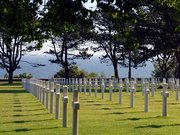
(21, 113)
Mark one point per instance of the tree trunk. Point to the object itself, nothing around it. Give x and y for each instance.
(66, 68)
(10, 78)
(164, 73)
(178, 65)
(115, 70)
(129, 66)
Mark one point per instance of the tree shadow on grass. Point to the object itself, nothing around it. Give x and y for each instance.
(17, 110)
(157, 126)
(13, 91)
(137, 118)
(26, 129)
(150, 126)
(24, 115)
(26, 121)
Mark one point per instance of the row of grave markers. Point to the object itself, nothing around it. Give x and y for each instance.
(41, 90)
(130, 87)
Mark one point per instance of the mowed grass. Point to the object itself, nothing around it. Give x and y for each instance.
(22, 113)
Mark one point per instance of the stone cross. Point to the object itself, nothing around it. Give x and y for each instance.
(143, 85)
(37, 85)
(102, 88)
(164, 95)
(76, 83)
(96, 87)
(57, 101)
(146, 97)
(110, 89)
(115, 84)
(76, 107)
(85, 85)
(44, 93)
(132, 90)
(153, 86)
(135, 83)
(39, 89)
(47, 94)
(90, 87)
(171, 83)
(164, 80)
(80, 85)
(51, 88)
(120, 91)
(65, 102)
(127, 85)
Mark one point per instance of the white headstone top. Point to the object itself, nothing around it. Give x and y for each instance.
(52, 87)
(120, 83)
(96, 81)
(164, 87)
(110, 83)
(80, 81)
(164, 80)
(57, 88)
(47, 85)
(65, 91)
(152, 81)
(85, 81)
(90, 82)
(177, 82)
(102, 81)
(132, 84)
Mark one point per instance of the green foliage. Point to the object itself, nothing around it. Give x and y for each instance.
(19, 24)
(159, 73)
(75, 72)
(23, 75)
(164, 65)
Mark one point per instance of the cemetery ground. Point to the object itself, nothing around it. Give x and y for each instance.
(22, 114)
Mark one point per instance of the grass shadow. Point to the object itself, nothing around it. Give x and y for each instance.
(106, 108)
(17, 106)
(90, 101)
(157, 126)
(133, 119)
(26, 129)
(24, 115)
(150, 126)
(97, 104)
(17, 110)
(13, 91)
(117, 113)
(26, 121)
(22, 130)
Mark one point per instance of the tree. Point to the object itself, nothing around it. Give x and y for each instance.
(115, 29)
(23, 75)
(67, 25)
(75, 72)
(164, 65)
(105, 22)
(18, 25)
(160, 28)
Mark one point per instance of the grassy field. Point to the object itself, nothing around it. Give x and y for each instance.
(23, 114)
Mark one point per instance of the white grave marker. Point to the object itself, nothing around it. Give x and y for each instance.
(164, 95)
(120, 91)
(57, 101)
(65, 102)
(146, 97)
(132, 90)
